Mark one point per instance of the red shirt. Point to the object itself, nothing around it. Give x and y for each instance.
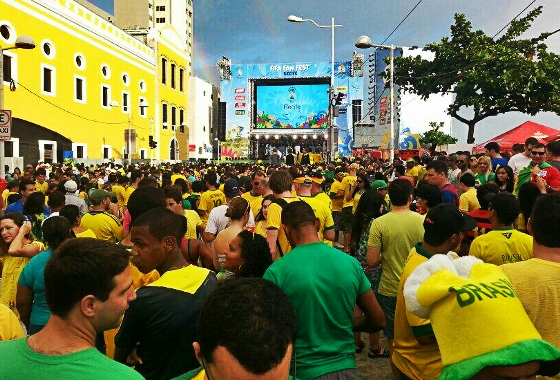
(551, 176)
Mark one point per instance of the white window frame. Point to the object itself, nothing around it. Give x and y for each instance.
(109, 148)
(182, 72)
(173, 75)
(126, 82)
(84, 90)
(51, 45)
(142, 111)
(143, 154)
(173, 115)
(75, 150)
(83, 58)
(53, 79)
(165, 122)
(13, 36)
(15, 142)
(125, 108)
(42, 144)
(108, 106)
(108, 75)
(142, 85)
(14, 67)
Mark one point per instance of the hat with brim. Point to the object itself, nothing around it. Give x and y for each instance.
(379, 185)
(231, 188)
(317, 176)
(445, 219)
(303, 179)
(99, 194)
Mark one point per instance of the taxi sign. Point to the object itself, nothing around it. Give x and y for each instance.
(5, 125)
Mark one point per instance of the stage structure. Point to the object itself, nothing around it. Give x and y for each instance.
(287, 105)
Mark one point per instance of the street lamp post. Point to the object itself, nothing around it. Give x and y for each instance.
(364, 42)
(22, 42)
(292, 18)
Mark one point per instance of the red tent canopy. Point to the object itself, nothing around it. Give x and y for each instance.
(519, 134)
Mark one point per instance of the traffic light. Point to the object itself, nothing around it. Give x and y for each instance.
(338, 98)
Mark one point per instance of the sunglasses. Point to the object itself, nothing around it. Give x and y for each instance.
(473, 159)
(359, 181)
(539, 153)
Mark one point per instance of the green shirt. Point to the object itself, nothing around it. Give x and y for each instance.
(21, 362)
(323, 284)
(394, 234)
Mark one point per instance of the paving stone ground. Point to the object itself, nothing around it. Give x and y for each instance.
(373, 369)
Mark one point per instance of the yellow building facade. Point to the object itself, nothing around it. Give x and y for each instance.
(90, 88)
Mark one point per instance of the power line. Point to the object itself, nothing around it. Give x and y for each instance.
(513, 19)
(403, 20)
(65, 110)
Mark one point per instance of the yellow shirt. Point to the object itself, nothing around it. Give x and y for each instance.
(468, 201)
(42, 187)
(127, 193)
(421, 172)
(10, 328)
(10, 275)
(120, 193)
(5, 194)
(193, 221)
(393, 234)
(139, 279)
(502, 246)
(260, 228)
(274, 222)
(536, 284)
(175, 176)
(323, 197)
(104, 225)
(347, 185)
(336, 202)
(356, 200)
(86, 234)
(254, 201)
(323, 214)
(208, 200)
(417, 361)
(413, 172)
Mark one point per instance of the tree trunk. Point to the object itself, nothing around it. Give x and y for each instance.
(470, 134)
(433, 149)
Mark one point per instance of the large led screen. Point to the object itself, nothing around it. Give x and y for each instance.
(292, 106)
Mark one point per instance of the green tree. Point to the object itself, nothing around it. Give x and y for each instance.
(488, 76)
(434, 137)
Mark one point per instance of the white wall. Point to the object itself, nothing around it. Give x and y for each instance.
(199, 117)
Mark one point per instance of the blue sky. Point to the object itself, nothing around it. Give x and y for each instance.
(256, 31)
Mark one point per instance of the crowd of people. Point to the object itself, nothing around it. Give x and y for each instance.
(275, 271)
